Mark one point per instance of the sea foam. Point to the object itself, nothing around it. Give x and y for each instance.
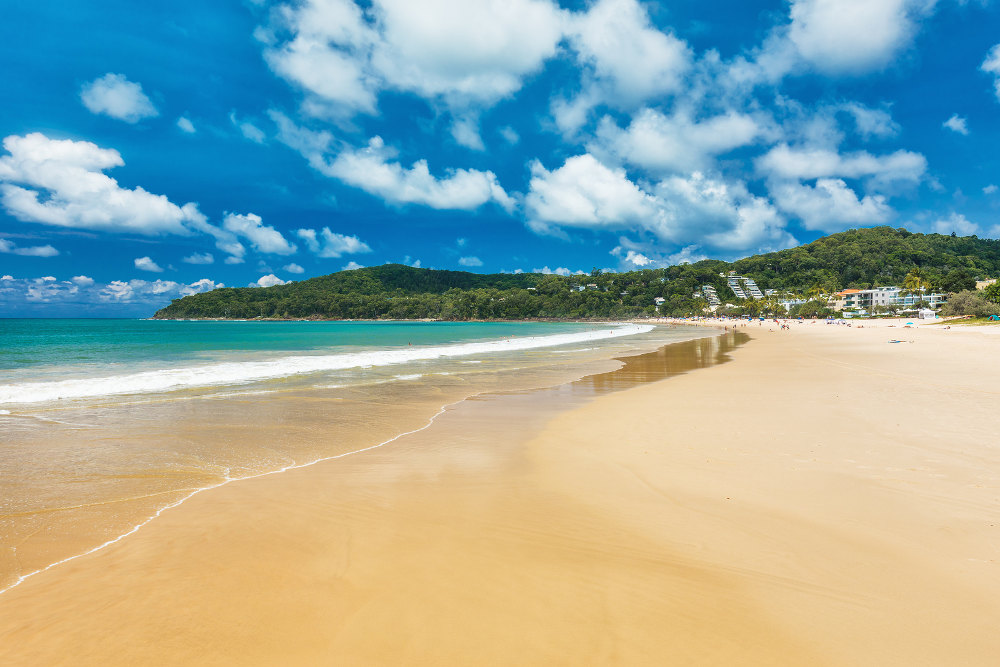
(243, 372)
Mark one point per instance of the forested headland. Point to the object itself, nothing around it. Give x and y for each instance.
(859, 258)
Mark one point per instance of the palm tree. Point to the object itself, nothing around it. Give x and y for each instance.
(914, 282)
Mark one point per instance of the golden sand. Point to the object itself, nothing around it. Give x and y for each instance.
(825, 498)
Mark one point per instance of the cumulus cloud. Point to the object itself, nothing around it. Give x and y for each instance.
(331, 244)
(114, 95)
(351, 266)
(147, 264)
(853, 36)
(199, 258)
(990, 189)
(462, 53)
(470, 261)
(806, 163)
(584, 193)
(84, 290)
(676, 142)
(9, 247)
(956, 124)
(637, 259)
(992, 66)
(185, 125)
(373, 170)
(560, 271)
(626, 53)
(61, 182)
(270, 280)
(955, 223)
(830, 205)
(263, 238)
(157, 290)
(293, 268)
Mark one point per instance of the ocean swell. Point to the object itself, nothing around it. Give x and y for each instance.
(243, 372)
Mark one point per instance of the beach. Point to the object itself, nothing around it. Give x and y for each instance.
(816, 495)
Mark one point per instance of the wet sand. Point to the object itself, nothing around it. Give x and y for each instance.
(824, 498)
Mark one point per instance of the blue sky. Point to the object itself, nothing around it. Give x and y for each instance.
(151, 151)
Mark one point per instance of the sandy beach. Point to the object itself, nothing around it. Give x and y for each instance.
(824, 497)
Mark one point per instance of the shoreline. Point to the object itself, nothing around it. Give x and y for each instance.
(186, 494)
(718, 517)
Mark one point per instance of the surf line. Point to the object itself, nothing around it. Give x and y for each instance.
(24, 577)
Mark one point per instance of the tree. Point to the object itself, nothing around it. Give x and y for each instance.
(992, 292)
(958, 280)
(970, 302)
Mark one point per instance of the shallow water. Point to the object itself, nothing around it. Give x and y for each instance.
(78, 473)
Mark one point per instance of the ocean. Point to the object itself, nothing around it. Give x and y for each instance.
(106, 423)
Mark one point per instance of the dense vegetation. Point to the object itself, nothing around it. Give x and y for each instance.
(875, 257)
(857, 258)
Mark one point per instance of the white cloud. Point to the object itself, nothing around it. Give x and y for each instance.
(470, 261)
(719, 213)
(247, 129)
(6, 277)
(270, 280)
(990, 189)
(830, 206)
(185, 125)
(82, 281)
(147, 264)
(992, 66)
(871, 122)
(293, 268)
(509, 135)
(351, 266)
(331, 244)
(371, 170)
(61, 182)
(264, 238)
(131, 291)
(7, 246)
(114, 95)
(199, 258)
(686, 255)
(586, 194)
(676, 142)
(561, 271)
(808, 163)
(853, 36)
(637, 259)
(956, 223)
(463, 53)
(627, 54)
(956, 124)
(465, 131)
(203, 285)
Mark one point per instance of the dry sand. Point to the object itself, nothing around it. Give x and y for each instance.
(825, 498)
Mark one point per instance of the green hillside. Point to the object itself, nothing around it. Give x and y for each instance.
(857, 258)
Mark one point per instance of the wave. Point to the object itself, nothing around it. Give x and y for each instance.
(244, 372)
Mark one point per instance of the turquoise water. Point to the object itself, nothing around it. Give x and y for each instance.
(42, 361)
(40, 343)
